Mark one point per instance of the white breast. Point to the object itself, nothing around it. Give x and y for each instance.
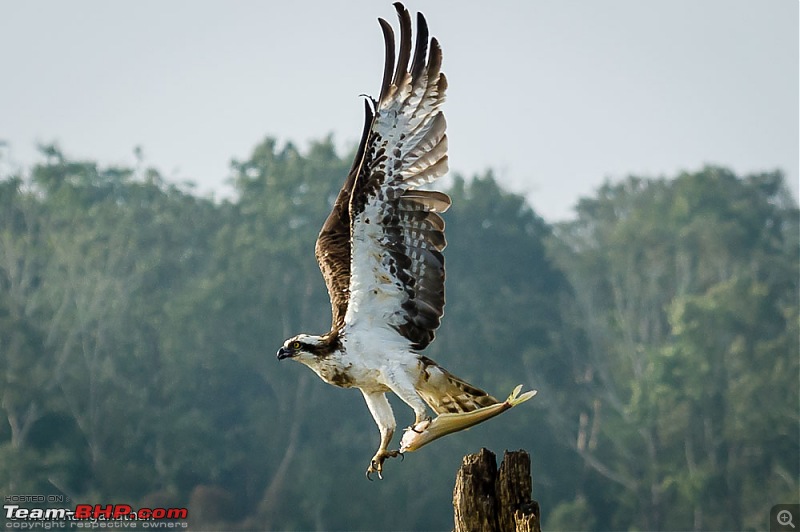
(374, 355)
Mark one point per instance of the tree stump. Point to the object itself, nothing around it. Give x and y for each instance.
(486, 499)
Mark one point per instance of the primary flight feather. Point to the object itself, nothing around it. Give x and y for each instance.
(380, 252)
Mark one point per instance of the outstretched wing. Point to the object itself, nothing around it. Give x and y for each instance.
(396, 234)
(333, 244)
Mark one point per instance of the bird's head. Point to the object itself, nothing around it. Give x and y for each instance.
(303, 348)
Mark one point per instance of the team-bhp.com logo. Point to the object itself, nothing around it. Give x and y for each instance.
(94, 516)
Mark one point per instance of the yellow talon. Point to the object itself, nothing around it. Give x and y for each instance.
(376, 464)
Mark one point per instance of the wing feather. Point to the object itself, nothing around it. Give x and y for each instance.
(333, 243)
(380, 248)
(420, 47)
(388, 65)
(396, 233)
(405, 41)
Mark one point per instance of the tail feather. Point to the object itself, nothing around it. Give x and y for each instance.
(447, 394)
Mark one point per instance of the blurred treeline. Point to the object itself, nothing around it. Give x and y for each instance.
(139, 324)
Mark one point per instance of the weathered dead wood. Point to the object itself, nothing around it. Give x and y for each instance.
(486, 499)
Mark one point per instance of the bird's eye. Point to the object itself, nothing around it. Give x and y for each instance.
(295, 345)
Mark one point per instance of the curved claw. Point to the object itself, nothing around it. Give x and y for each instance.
(424, 424)
(374, 468)
(376, 464)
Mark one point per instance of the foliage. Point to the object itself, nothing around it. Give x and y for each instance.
(687, 292)
(139, 322)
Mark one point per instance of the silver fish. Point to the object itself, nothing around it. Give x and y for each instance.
(426, 431)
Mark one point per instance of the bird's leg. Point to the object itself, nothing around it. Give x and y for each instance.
(381, 411)
(421, 422)
(405, 390)
(376, 464)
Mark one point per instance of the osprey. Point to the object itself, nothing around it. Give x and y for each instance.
(380, 252)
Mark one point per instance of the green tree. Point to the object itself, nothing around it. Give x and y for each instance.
(88, 257)
(687, 290)
(139, 323)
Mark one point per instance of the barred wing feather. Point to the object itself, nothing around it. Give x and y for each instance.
(396, 233)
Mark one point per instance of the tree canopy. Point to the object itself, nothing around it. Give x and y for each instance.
(139, 323)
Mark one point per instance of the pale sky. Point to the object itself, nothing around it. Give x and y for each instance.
(555, 96)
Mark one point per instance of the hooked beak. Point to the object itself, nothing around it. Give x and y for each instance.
(284, 353)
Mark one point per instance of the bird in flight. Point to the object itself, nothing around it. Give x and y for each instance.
(380, 252)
